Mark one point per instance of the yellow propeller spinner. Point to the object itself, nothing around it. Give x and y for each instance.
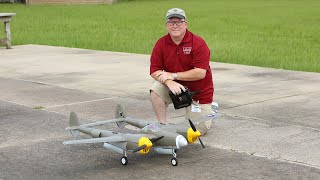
(145, 141)
(193, 135)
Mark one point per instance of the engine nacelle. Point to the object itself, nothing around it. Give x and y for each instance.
(95, 133)
(113, 148)
(162, 150)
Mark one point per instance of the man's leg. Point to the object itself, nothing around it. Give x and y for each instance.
(203, 127)
(159, 107)
(160, 100)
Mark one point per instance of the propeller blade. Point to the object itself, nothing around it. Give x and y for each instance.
(144, 146)
(192, 126)
(156, 139)
(201, 142)
(139, 148)
(194, 129)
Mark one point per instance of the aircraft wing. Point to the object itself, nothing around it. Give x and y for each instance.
(98, 123)
(97, 140)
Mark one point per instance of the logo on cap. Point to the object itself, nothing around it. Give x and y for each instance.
(176, 12)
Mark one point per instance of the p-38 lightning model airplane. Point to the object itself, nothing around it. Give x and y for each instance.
(165, 139)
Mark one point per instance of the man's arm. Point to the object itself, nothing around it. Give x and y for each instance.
(155, 76)
(190, 75)
(167, 78)
(174, 87)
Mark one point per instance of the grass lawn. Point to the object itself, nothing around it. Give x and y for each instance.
(274, 33)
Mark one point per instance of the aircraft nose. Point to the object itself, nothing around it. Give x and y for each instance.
(181, 141)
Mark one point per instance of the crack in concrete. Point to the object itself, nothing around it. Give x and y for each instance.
(271, 99)
(80, 102)
(27, 142)
(254, 119)
(279, 158)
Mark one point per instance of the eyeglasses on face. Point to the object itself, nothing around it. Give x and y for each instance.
(178, 23)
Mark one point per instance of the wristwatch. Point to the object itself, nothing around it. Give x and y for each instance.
(175, 76)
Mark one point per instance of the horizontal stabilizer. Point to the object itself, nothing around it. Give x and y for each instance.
(72, 128)
(121, 124)
(96, 140)
(75, 132)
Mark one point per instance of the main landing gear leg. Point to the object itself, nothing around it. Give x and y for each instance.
(174, 160)
(124, 159)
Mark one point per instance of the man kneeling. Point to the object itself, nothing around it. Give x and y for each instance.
(181, 59)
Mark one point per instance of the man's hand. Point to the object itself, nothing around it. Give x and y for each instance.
(164, 76)
(175, 87)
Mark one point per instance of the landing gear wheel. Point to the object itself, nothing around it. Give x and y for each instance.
(124, 160)
(174, 161)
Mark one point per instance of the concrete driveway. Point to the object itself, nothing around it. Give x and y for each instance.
(268, 129)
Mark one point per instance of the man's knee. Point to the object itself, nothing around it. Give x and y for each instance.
(159, 90)
(204, 127)
(155, 98)
(154, 95)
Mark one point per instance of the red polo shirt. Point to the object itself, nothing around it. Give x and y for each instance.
(191, 53)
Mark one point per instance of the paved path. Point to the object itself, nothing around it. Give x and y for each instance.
(268, 129)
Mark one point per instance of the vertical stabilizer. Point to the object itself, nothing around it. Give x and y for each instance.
(120, 114)
(74, 123)
(73, 120)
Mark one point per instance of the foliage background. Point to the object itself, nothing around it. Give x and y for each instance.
(275, 33)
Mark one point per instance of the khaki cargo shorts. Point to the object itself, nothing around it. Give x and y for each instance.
(193, 112)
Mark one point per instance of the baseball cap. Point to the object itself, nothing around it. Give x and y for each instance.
(176, 12)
